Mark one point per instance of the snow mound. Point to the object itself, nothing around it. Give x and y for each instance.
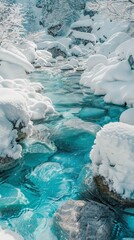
(113, 158)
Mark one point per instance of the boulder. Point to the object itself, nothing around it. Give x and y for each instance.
(81, 220)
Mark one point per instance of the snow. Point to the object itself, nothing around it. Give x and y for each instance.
(125, 49)
(113, 157)
(9, 235)
(128, 116)
(82, 23)
(85, 36)
(14, 117)
(113, 76)
(113, 42)
(21, 101)
(93, 60)
(76, 51)
(67, 67)
(11, 57)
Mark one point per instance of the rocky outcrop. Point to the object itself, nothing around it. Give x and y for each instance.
(81, 220)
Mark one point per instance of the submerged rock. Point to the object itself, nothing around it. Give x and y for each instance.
(11, 199)
(81, 220)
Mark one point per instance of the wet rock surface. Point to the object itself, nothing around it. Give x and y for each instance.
(57, 52)
(81, 220)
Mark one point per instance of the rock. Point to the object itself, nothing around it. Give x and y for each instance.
(57, 52)
(11, 199)
(81, 220)
(109, 196)
(7, 163)
(91, 113)
(54, 30)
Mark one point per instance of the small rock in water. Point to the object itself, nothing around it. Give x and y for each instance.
(11, 198)
(50, 179)
(80, 220)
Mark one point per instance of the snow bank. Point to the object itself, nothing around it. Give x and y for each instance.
(20, 100)
(113, 158)
(113, 76)
(11, 57)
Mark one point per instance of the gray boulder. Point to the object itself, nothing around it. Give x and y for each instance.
(81, 220)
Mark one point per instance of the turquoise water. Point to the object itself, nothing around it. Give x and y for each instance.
(50, 171)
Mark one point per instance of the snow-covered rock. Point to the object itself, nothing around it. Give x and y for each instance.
(15, 124)
(113, 158)
(113, 42)
(13, 58)
(9, 235)
(112, 77)
(76, 51)
(128, 116)
(94, 60)
(67, 67)
(57, 49)
(58, 15)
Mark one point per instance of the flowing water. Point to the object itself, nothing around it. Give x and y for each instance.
(49, 172)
